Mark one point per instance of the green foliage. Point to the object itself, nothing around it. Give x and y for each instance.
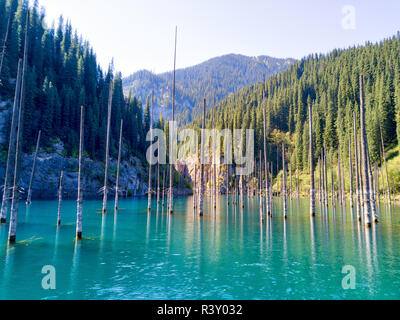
(62, 75)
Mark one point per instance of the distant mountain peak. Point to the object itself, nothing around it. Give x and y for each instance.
(219, 76)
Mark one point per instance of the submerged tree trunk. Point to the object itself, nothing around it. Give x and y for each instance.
(18, 145)
(118, 166)
(267, 191)
(171, 166)
(80, 192)
(107, 148)
(201, 194)
(60, 199)
(163, 190)
(351, 175)
(151, 152)
(29, 198)
(371, 190)
(11, 146)
(357, 163)
(284, 182)
(311, 156)
(333, 200)
(364, 158)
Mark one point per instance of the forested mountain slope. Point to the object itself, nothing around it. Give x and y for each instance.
(62, 75)
(219, 76)
(331, 84)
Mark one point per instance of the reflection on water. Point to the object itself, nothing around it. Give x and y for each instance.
(230, 253)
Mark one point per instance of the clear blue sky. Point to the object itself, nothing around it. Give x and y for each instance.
(140, 34)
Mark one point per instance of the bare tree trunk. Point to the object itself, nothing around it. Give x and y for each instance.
(311, 156)
(158, 177)
(284, 182)
(377, 183)
(118, 166)
(371, 190)
(332, 183)
(171, 166)
(80, 193)
(227, 185)
(343, 183)
(319, 182)
(11, 146)
(107, 148)
(326, 179)
(18, 145)
(339, 180)
(151, 139)
(357, 163)
(351, 175)
(195, 187)
(364, 157)
(163, 189)
(267, 193)
(29, 198)
(60, 199)
(260, 184)
(291, 185)
(201, 195)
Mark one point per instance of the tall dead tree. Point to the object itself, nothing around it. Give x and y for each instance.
(364, 158)
(18, 144)
(333, 200)
(284, 182)
(171, 166)
(201, 191)
(60, 199)
(80, 192)
(320, 180)
(351, 175)
(267, 196)
(105, 188)
(118, 166)
(151, 152)
(371, 190)
(11, 146)
(158, 175)
(357, 165)
(311, 156)
(29, 198)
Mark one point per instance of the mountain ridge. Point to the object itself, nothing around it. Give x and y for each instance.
(219, 76)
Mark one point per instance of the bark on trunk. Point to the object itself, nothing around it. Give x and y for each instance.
(80, 195)
(201, 193)
(118, 166)
(357, 165)
(311, 156)
(29, 198)
(284, 182)
(11, 147)
(18, 145)
(107, 148)
(364, 158)
(60, 199)
(171, 166)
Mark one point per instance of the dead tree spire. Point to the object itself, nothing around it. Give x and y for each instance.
(105, 190)
(29, 198)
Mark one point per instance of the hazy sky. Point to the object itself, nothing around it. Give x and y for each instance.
(140, 34)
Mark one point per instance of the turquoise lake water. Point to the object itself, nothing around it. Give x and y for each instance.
(227, 254)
